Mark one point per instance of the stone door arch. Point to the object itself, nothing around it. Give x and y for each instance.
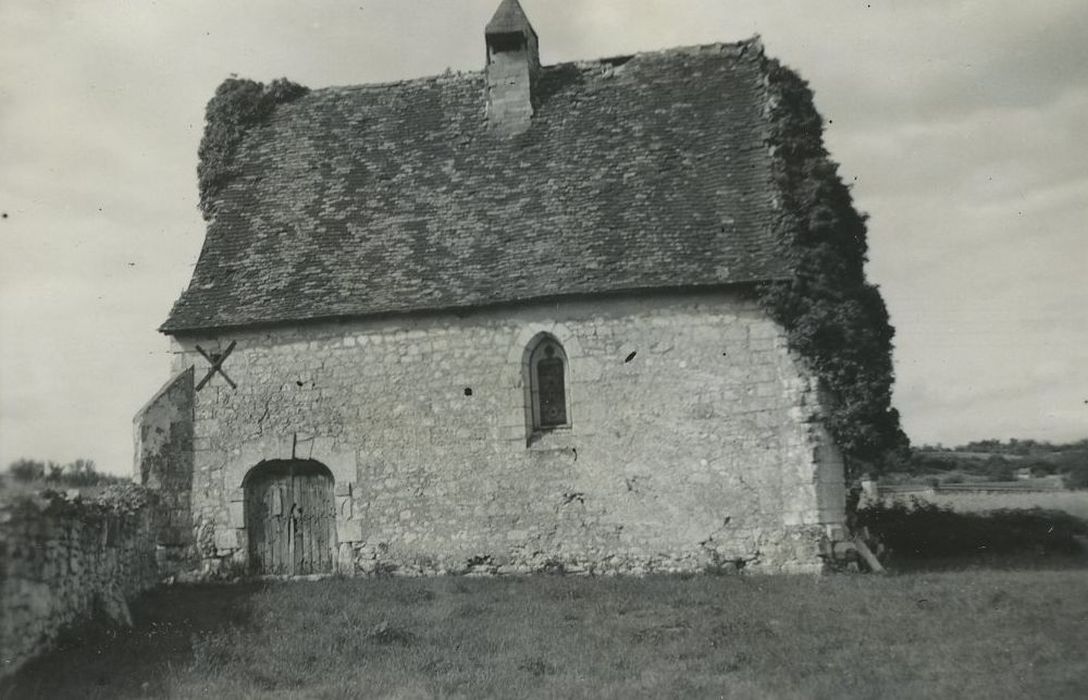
(290, 517)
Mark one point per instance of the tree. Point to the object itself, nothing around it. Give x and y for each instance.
(27, 469)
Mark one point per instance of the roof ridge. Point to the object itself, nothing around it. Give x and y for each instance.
(434, 78)
(740, 47)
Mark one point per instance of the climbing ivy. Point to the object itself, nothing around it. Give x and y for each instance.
(238, 104)
(834, 318)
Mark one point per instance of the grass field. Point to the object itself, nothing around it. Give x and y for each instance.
(970, 633)
(1072, 502)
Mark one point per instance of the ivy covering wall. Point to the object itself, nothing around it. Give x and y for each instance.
(835, 319)
(238, 104)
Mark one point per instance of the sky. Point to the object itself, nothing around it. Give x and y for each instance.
(958, 123)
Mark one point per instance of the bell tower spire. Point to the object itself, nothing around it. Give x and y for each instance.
(513, 64)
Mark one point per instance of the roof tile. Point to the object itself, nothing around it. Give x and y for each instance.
(638, 172)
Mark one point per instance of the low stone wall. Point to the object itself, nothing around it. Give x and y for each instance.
(62, 560)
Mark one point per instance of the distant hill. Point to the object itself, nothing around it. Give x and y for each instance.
(995, 460)
(1012, 448)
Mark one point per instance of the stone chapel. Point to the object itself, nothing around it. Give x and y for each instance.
(502, 321)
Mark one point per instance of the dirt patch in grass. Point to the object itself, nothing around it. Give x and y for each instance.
(949, 634)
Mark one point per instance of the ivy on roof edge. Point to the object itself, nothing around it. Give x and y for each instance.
(833, 316)
(238, 104)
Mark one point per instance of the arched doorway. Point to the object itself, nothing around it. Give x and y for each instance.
(290, 517)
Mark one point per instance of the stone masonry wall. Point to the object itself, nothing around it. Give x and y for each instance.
(695, 440)
(511, 77)
(63, 560)
(163, 437)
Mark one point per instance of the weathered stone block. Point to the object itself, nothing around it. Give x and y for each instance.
(345, 559)
(226, 540)
(237, 514)
(349, 531)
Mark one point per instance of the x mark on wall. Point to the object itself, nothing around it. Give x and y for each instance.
(216, 360)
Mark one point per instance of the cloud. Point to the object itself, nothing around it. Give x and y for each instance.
(935, 60)
(959, 123)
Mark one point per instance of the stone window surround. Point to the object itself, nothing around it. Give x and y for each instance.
(525, 342)
(537, 355)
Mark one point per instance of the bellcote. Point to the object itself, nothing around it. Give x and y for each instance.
(513, 63)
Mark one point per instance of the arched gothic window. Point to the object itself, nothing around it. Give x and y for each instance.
(548, 384)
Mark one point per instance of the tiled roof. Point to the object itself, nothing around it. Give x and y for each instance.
(644, 172)
(509, 19)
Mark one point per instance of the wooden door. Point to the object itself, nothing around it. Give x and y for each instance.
(290, 516)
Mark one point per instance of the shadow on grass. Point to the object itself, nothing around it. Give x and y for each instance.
(112, 662)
